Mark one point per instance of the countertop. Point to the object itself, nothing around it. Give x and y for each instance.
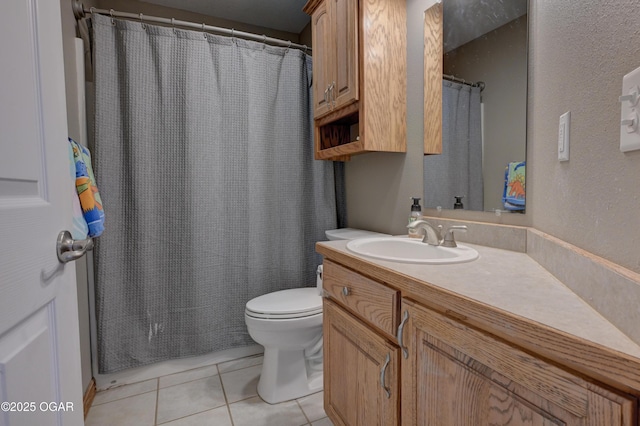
(510, 295)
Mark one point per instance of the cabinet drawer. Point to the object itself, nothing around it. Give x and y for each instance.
(368, 299)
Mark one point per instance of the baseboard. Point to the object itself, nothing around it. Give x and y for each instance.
(89, 395)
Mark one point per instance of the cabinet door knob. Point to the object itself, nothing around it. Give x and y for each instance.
(383, 373)
(345, 291)
(405, 351)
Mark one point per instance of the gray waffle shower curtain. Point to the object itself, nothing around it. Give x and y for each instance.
(204, 157)
(457, 172)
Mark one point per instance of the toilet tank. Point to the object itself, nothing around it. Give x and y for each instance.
(351, 234)
(344, 234)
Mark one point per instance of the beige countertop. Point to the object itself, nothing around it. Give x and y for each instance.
(515, 286)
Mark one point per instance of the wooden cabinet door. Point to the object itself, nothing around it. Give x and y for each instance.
(361, 372)
(345, 62)
(323, 63)
(456, 375)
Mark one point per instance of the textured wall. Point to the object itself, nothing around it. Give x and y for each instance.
(579, 53)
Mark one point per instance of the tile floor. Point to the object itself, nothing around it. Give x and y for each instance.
(219, 395)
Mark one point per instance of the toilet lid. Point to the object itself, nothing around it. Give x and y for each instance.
(284, 304)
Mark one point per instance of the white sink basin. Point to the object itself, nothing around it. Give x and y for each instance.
(410, 250)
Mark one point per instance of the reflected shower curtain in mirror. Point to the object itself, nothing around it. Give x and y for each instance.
(458, 170)
(204, 154)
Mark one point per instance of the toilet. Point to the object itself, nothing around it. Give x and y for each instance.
(288, 324)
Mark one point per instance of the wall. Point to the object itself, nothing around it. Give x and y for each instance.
(136, 6)
(499, 59)
(579, 54)
(76, 131)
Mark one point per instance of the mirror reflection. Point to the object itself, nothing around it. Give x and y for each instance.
(484, 97)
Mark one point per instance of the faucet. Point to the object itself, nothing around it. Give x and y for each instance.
(431, 233)
(433, 236)
(449, 240)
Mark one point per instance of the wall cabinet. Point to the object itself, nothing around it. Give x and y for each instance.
(335, 44)
(359, 76)
(450, 373)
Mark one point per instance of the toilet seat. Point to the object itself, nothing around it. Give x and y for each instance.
(286, 304)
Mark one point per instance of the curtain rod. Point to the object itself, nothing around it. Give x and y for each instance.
(479, 84)
(79, 11)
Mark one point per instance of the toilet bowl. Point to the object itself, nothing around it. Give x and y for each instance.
(288, 323)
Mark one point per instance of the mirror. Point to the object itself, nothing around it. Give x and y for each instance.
(475, 104)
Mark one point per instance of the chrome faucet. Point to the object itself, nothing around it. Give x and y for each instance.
(449, 240)
(433, 236)
(431, 233)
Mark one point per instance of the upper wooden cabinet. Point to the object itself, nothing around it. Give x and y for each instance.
(359, 76)
(335, 41)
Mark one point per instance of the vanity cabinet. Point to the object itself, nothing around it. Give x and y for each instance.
(361, 361)
(390, 359)
(457, 375)
(359, 76)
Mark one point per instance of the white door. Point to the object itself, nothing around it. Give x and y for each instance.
(40, 380)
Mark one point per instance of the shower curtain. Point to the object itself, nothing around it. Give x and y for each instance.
(204, 156)
(458, 170)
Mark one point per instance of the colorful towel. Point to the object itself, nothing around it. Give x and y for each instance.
(513, 196)
(87, 190)
(79, 230)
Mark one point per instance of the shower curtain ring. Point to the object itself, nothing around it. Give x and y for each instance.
(173, 24)
(233, 38)
(264, 41)
(113, 21)
(203, 33)
(305, 48)
(289, 45)
(144, 27)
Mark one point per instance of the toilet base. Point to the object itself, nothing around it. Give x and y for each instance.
(285, 376)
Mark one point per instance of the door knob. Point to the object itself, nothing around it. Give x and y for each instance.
(69, 249)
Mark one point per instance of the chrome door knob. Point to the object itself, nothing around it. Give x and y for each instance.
(69, 249)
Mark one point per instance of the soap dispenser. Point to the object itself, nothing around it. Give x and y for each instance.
(458, 203)
(416, 212)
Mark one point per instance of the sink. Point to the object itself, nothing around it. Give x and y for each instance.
(410, 250)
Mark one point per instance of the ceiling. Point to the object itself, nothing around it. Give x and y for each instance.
(466, 20)
(284, 15)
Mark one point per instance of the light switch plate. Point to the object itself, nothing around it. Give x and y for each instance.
(563, 136)
(629, 126)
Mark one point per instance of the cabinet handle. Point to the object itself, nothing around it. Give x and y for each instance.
(332, 96)
(405, 351)
(383, 373)
(345, 291)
